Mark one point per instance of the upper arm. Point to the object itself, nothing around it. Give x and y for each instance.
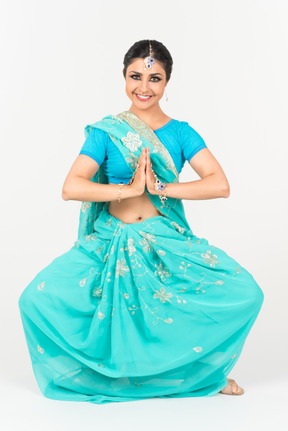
(198, 155)
(204, 164)
(90, 158)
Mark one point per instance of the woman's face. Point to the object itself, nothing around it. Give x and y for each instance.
(145, 82)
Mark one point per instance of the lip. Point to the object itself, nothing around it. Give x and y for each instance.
(143, 100)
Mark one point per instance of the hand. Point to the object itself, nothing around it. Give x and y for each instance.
(150, 179)
(138, 184)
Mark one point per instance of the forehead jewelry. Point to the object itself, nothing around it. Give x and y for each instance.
(149, 61)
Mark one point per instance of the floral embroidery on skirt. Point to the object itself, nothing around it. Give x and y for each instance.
(135, 311)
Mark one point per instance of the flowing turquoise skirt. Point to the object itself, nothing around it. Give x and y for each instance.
(137, 310)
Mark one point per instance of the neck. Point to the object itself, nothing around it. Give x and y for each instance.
(151, 115)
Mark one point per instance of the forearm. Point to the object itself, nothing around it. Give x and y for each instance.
(81, 189)
(209, 187)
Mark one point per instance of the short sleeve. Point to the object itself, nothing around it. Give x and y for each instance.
(95, 145)
(191, 141)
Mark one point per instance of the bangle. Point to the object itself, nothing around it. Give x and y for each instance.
(162, 187)
(120, 190)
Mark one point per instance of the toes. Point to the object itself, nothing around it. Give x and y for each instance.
(236, 388)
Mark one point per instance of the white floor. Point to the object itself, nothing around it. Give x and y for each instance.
(263, 405)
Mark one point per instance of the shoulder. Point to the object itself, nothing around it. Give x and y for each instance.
(188, 134)
(95, 134)
(186, 128)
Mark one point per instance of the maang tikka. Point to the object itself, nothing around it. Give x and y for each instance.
(149, 61)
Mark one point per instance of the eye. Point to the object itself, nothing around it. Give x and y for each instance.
(153, 77)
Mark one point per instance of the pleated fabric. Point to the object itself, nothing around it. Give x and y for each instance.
(138, 310)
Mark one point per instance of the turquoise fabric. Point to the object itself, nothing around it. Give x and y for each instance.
(181, 140)
(137, 310)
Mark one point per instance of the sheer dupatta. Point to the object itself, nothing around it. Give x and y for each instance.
(129, 133)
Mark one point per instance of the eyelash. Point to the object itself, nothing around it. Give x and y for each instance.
(153, 77)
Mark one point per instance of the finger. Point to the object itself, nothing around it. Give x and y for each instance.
(148, 159)
(148, 154)
(142, 157)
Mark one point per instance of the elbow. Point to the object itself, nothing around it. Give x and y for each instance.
(226, 191)
(65, 195)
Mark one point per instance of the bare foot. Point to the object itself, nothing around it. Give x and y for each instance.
(232, 388)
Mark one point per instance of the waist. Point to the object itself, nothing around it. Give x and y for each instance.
(133, 210)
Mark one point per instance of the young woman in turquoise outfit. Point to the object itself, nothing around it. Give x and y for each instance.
(139, 307)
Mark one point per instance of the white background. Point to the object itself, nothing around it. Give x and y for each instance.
(61, 69)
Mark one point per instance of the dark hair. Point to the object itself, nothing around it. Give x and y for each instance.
(140, 49)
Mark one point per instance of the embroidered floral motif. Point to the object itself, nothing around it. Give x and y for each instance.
(162, 295)
(97, 291)
(132, 159)
(178, 227)
(83, 281)
(209, 258)
(40, 349)
(41, 285)
(118, 119)
(145, 241)
(184, 265)
(148, 236)
(91, 237)
(121, 267)
(106, 257)
(197, 349)
(132, 141)
(85, 206)
(130, 247)
(163, 272)
(101, 315)
(147, 247)
(99, 249)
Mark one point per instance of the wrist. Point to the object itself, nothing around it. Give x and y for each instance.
(127, 191)
(130, 191)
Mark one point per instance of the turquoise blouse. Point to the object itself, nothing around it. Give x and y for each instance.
(180, 139)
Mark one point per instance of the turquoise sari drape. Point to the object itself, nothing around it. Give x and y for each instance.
(137, 310)
(130, 134)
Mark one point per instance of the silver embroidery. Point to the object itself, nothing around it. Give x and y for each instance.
(132, 141)
(210, 258)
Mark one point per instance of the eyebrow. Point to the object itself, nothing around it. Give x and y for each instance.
(151, 74)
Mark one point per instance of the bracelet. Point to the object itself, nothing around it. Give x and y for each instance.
(162, 187)
(120, 190)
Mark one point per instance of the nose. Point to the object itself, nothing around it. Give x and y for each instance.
(144, 86)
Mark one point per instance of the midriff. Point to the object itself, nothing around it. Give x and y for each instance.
(133, 210)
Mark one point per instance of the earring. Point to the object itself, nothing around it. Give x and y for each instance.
(166, 95)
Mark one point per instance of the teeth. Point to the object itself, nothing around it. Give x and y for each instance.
(143, 97)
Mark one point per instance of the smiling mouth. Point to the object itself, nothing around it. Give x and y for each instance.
(139, 97)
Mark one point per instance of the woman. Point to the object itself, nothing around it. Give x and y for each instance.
(139, 307)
